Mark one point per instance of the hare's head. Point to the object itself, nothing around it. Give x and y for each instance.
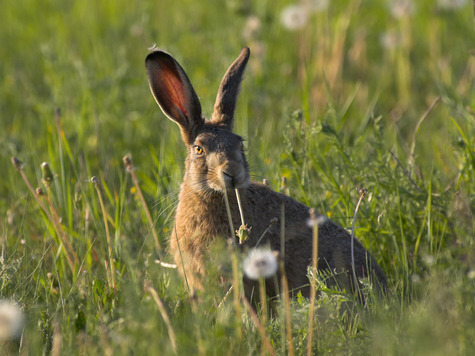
(215, 161)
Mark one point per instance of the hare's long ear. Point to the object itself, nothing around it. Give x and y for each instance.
(229, 91)
(174, 93)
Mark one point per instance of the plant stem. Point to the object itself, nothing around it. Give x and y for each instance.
(362, 192)
(161, 308)
(95, 182)
(313, 290)
(230, 218)
(259, 326)
(288, 316)
(18, 166)
(131, 169)
(238, 197)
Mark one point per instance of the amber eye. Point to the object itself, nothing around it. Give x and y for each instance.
(198, 150)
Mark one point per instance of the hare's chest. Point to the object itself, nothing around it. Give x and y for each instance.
(200, 221)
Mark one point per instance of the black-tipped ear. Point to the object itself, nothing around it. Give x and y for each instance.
(229, 91)
(174, 93)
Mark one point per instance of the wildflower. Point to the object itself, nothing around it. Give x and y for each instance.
(451, 4)
(294, 17)
(401, 8)
(11, 320)
(260, 263)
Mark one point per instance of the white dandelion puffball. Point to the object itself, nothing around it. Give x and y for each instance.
(260, 263)
(318, 5)
(451, 4)
(401, 8)
(390, 40)
(319, 220)
(294, 17)
(11, 320)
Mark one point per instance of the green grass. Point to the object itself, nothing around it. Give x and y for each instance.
(329, 106)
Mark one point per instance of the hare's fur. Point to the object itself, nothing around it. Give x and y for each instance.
(216, 165)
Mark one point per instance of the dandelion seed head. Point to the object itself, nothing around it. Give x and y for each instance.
(319, 220)
(11, 320)
(294, 17)
(451, 4)
(415, 278)
(390, 39)
(428, 260)
(260, 263)
(401, 8)
(252, 26)
(318, 5)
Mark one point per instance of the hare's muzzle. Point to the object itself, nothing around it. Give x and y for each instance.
(233, 177)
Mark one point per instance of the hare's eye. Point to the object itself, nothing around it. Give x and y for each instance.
(198, 150)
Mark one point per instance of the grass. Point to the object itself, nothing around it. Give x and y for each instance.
(356, 98)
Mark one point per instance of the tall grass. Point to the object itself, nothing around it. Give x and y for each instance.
(360, 96)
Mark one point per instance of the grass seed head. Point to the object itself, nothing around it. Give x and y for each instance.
(17, 163)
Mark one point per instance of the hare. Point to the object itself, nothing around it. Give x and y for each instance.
(216, 165)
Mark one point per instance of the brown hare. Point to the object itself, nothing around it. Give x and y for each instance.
(216, 165)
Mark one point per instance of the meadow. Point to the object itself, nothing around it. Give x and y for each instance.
(338, 96)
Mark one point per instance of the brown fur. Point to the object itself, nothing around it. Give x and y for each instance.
(215, 166)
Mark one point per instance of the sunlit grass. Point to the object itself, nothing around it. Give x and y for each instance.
(359, 96)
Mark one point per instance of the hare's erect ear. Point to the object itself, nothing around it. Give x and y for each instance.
(229, 90)
(174, 93)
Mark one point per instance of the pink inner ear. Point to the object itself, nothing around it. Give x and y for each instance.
(173, 86)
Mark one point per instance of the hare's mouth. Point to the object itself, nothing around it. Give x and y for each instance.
(233, 181)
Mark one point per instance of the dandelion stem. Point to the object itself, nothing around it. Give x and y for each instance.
(262, 292)
(236, 294)
(288, 318)
(313, 290)
(283, 186)
(259, 326)
(238, 197)
(230, 218)
(161, 307)
(95, 182)
(282, 232)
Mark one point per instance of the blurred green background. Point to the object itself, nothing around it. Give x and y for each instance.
(337, 95)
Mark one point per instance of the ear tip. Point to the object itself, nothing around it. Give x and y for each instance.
(246, 51)
(155, 54)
